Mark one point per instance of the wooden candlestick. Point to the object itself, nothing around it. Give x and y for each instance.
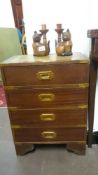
(63, 45)
(41, 48)
(59, 31)
(43, 27)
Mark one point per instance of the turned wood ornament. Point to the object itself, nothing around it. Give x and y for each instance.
(63, 45)
(41, 48)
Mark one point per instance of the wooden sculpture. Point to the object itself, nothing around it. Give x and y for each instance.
(63, 45)
(41, 48)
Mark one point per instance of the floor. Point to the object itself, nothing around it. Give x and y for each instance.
(45, 160)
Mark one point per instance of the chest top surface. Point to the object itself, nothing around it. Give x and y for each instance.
(51, 59)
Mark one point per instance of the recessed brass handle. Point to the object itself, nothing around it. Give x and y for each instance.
(48, 134)
(46, 97)
(45, 75)
(47, 117)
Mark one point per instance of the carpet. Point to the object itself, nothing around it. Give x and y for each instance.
(2, 97)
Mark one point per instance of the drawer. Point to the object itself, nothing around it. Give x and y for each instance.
(47, 97)
(49, 134)
(46, 74)
(49, 117)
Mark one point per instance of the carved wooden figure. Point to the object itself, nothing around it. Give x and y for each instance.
(64, 44)
(41, 48)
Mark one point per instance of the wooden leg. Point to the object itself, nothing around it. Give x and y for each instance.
(78, 148)
(22, 149)
(91, 101)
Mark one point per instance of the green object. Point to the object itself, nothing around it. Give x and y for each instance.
(9, 43)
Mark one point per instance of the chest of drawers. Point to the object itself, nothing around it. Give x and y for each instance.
(47, 100)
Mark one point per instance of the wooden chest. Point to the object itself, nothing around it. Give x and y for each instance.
(47, 100)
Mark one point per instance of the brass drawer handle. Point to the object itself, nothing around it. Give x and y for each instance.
(47, 117)
(45, 75)
(48, 134)
(46, 97)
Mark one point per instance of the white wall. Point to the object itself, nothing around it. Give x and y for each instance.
(6, 16)
(73, 14)
(93, 14)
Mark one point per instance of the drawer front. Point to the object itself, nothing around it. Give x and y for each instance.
(47, 97)
(46, 74)
(49, 134)
(49, 117)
